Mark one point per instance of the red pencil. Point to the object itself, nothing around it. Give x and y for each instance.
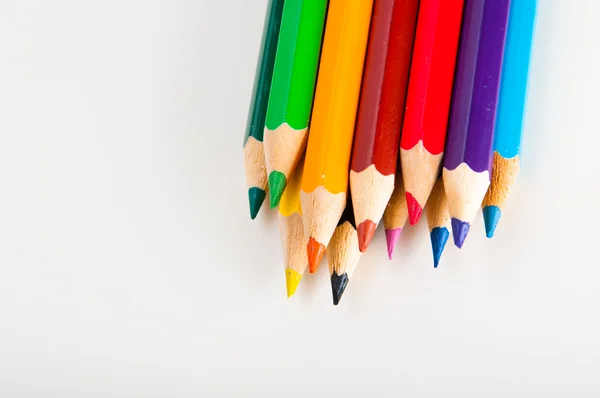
(428, 101)
(383, 92)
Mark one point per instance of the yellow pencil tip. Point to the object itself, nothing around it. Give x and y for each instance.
(292, 279)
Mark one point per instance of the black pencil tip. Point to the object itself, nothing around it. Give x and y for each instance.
(338, 285)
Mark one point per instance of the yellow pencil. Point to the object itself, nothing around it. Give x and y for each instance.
(325, 179)
(292, 231)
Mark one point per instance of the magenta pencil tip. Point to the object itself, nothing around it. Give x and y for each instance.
(391, 238)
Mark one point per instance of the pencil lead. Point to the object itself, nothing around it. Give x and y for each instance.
(366, 230)
(460, 229)
(256, 196)
(391, 238)
(292, 279)
(315, 252)
(491, 216)
(277, 184)
(414, 209)
(439, 237)
(338, 285)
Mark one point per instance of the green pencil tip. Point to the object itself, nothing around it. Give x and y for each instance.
(277, 184)
(256, 196)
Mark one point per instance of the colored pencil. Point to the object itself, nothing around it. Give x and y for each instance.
(325, 179)
(471, 129)
(254, 153)
(292, 231)
(375, 152)
(438, 220)
(428, 100)
(395, 215)
(343, 253)
(292, 90)
(511, 110)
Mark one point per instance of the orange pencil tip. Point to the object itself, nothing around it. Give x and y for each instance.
(366, 230)
(315, 252)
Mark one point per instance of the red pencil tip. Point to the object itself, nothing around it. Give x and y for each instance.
(414, 209)
(315, 252)
(366, 230)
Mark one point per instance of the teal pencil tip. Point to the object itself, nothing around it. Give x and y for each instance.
(256, 197)
(277, 184)
(491, 216)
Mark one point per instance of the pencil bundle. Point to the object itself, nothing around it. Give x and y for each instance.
(383, 109)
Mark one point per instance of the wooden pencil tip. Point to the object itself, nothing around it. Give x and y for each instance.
(256, 197)
(414, 209)
(292, 279)
(338, 286)
(491, 216)
(460, 229)
(315, 252)
(366, 230)
(391, 238)
(439, 236)
(277, 184)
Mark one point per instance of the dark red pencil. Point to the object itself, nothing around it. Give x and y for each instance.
(380, 112)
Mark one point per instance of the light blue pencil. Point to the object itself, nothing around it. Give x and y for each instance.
(511, 110)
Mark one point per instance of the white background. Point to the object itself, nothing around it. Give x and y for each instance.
(129, 266)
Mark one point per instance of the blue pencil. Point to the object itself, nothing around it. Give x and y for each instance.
(511, 110)
(438, 220)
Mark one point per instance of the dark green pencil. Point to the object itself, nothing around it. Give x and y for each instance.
(254, 153)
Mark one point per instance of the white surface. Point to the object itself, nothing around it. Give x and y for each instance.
(129, 266)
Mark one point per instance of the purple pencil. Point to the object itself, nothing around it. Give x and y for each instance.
(468, 155)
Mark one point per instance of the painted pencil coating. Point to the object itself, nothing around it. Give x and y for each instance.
(471, 129)
(432, 74)
(325, 179)
(475, 99)
(296, 63)
(511, 110)
(383, 93)
(264, 72)
(384, 85)
(336, 98)
(292, 89)
(515, 73)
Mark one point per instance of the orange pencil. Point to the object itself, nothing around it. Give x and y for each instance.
(325, 179)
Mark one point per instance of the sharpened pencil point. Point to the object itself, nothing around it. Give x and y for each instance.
(414, 209)
(439, 237)
(277, 184)
(292, 279)
(460, 229)
(366, 230)
(315, 252)
(256, 196)
(338, 285)
(491, 216)
(391, 238)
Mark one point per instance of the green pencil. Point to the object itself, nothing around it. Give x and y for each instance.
(292, 90)
(254, 154)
